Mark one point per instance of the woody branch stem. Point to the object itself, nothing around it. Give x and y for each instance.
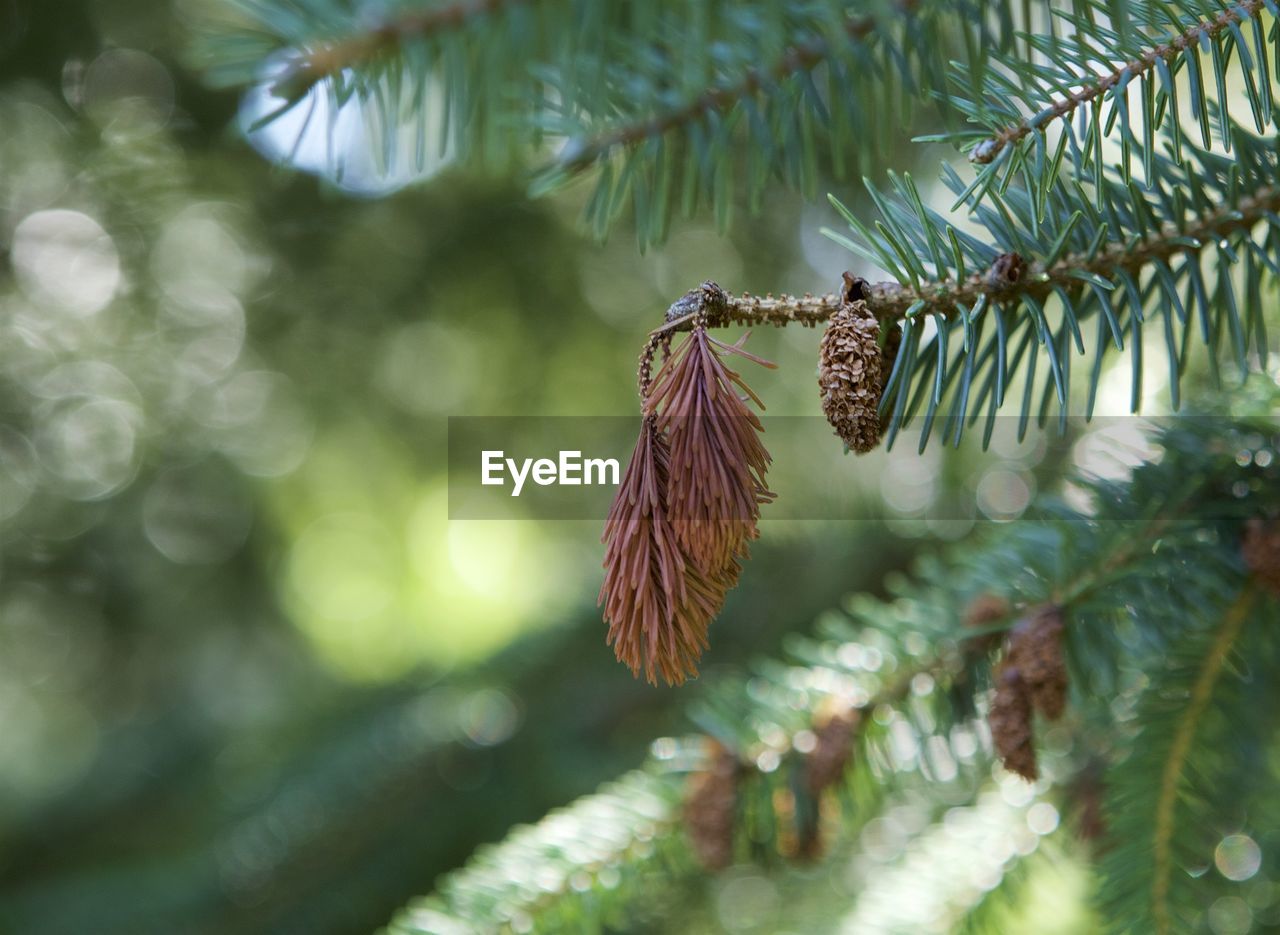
(892, 300)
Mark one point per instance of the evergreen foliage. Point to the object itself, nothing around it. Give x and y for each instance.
(1117, 180)
(1138, 651)
(1100, 263)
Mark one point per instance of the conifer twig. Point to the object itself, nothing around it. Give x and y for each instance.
(801, 57)
(326, 60)
(987, 150)
(891, 300)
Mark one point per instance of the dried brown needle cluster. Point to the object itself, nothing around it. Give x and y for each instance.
(1032, 677)
(685, 511)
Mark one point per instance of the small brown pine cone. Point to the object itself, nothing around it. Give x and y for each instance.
(984, 610)
(826, 762)
(710, 807)
(1010, 721)
(852, 369)
(1084, 795)
(1261, 552)
(1035, 650)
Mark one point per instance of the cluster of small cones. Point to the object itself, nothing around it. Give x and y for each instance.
(685, 511)
(852, 370)
(1031, 677)
(710, 809)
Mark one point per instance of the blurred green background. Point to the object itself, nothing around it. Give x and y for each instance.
(251, 678)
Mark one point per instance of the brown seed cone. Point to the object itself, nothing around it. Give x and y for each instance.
(1260, 550)
(829, 758)
(656, 604)
(983, 611)
(1035, 649)
(852, 369)
(1010, 721)
(710, 807)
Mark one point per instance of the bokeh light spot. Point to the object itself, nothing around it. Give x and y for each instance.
(1237, 857)
(1042, 818)
(66, 260)
(89, 447)
(489, 717)
(428, 367)
(1230, 915)
(1003, 495)
(124, 77)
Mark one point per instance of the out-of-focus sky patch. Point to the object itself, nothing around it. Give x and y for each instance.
(345, 144)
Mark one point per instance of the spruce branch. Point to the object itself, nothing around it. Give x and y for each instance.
(1185, 776)
(1175, 764)
(1154, 58)
(580, 154)
(1043, 261)
(893, 301)
(770, 720)
(667, 105)
(630, 823)
(733, 105)
(1166, 52)
(384, 40)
